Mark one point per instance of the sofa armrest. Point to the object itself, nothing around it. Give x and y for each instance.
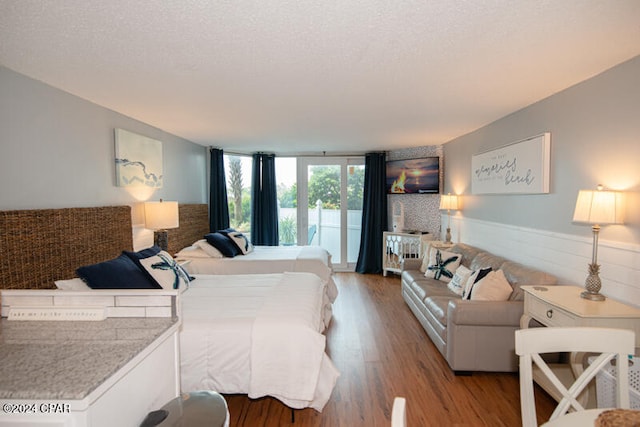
(485, 313)
(411, 264)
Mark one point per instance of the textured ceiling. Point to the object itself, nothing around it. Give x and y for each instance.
(307, 75)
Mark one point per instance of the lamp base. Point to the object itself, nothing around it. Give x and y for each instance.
(448, 235)
(592, 297)
(161, 238)
(593, 284)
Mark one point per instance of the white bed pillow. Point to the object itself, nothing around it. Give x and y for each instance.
(208, 249)
(442, 265)
(493, 287)
(457, 284)
(192, 251)
(75, 284)
(166, 271)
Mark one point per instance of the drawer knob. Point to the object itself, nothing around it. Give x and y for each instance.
(550, 313)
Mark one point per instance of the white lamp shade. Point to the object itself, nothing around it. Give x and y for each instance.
(161, 215)
(449, 202)
(599, 207)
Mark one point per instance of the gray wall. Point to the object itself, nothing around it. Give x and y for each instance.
(57, 150)
(595, 139)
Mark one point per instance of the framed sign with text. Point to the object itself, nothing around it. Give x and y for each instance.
(518, 168)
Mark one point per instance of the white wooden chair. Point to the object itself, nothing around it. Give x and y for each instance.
(398, 412)
(611, 343)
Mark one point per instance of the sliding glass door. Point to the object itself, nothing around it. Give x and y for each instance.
(330, 206)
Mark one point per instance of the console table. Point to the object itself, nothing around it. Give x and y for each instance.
(399, 246)
(563, 306)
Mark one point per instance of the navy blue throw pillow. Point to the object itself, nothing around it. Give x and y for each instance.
(223, 243)
(118, 273)
(145, 253)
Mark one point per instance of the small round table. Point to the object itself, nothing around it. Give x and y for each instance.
(195, 409)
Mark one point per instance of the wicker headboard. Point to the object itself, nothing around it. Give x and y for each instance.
(43, 245)
(194, 224)
(40, 246)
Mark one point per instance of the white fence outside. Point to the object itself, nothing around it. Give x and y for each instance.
(327, 235)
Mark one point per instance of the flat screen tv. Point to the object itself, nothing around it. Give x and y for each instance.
(414, 176)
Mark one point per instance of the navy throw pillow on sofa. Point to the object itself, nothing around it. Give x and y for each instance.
(118, 273)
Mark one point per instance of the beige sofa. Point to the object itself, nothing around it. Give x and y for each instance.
(471, 335)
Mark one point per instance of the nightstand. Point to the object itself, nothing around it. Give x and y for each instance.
(563, 306)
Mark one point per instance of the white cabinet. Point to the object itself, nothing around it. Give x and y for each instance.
(399, 246)
(145, 383)
(562, 306)
(110, 372)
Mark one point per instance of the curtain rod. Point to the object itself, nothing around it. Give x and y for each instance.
(323, 154)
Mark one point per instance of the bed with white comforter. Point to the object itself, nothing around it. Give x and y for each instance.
(265, 259)
(259, 335)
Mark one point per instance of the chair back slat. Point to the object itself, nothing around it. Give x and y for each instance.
(609, 343)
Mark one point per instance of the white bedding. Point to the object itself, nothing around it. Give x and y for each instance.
(269, 259)
(259, 335)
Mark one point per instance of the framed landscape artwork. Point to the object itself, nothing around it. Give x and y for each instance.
(518, 168)
(138, 160)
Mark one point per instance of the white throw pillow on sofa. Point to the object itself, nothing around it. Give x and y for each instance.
(442, 265)
(425, 258)
(457, 284)
(493, 287)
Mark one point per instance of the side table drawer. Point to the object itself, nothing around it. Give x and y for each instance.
(548, 314)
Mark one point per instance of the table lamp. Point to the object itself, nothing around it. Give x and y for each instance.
(160, 216)
(597, 207)
(449, 202)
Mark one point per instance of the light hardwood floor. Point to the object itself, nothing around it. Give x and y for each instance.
(382, 351)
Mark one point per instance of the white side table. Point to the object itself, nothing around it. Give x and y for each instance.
(563, 306)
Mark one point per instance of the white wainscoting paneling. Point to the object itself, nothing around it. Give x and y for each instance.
(563, 255)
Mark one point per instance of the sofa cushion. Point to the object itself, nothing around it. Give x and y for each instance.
(519, 275)
(493, 287)
(485, 259)
(437, 306)
(442, 265)
(424, 287)
(410, 276)
(468, 253)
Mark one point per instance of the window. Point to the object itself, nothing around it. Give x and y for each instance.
(238, 173)
(319, 202)
(287, 200)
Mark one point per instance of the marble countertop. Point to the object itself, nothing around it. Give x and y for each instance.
(68, 360)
